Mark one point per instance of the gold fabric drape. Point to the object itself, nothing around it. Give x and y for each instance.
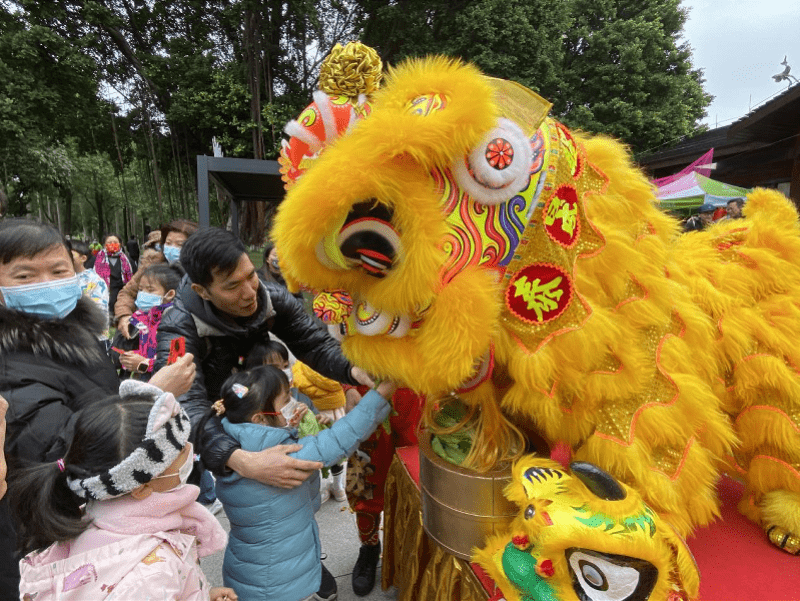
(412, 562)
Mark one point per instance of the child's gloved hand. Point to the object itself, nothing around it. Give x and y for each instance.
(222, 593)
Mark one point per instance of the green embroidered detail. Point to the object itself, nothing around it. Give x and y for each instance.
(643, 521)
(520, 568)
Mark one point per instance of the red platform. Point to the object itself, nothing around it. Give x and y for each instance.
(736, 561)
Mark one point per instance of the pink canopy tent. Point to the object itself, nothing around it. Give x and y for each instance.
(701, 166)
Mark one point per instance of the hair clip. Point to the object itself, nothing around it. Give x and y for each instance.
(61, 465)
(240, 390)
(219, 407)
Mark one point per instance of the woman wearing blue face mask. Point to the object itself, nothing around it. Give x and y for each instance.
(51, 361)
(173, 237)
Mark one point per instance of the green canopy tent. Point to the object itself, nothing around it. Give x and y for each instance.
(694, 190)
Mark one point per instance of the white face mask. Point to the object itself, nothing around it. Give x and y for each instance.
(288, 410)
(184, 470)
(289, 375)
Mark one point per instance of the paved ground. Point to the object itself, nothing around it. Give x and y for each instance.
(337, 527)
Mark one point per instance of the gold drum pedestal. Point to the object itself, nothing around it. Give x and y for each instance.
(460, 507)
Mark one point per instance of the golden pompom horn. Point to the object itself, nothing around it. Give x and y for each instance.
(351, 70)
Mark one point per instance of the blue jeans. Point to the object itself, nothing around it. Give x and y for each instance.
(207, 494)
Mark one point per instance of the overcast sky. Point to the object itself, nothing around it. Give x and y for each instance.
(740, 44)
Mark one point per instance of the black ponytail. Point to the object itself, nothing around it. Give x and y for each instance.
(44, 508)
(263, 384)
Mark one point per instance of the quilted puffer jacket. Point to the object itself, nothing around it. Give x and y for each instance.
(326, 394)
(49, 370)
(273, 549)
(164, 563)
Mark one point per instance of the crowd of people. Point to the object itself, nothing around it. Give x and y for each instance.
(120, 450)
(708, 213)
(127, 380)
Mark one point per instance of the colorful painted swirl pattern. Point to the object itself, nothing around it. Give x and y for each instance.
(480, 234)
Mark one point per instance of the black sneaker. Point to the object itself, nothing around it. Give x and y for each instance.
(327, 589)
(365, 568)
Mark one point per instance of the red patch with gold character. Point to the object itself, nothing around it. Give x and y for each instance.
(539, 293)
(560, 216)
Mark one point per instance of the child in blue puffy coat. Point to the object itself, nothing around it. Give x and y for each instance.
(274, 550)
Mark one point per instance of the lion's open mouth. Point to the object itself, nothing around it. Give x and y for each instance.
(367, 239)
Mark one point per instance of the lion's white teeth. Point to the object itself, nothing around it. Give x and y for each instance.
(400, 326)
(370, 321)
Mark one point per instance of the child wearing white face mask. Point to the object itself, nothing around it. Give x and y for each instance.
(140, 528)
(157, 289)
(312, 388)
(274, 549)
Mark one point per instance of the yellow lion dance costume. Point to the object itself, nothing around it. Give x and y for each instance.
(494, 255)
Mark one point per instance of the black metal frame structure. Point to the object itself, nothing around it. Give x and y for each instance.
(242, 179)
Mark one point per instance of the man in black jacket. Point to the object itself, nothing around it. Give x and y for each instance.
(223, 310)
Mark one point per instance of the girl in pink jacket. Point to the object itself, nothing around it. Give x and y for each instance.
(114, 518)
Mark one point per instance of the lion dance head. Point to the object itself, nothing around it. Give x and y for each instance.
(404, 227)
(585, 537)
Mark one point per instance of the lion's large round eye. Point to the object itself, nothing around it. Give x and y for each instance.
(593, 576)
(530, 511)
(605, 577)
(498, 168)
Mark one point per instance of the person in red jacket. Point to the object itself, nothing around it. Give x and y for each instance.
(367, 469)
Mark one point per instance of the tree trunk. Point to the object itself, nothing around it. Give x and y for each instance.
(98, 201)
(176, 162)
(254, 58)
(192, 176)
(58, 216)
(156, 177)
(68, 210)
(121, 168)
(251, 227)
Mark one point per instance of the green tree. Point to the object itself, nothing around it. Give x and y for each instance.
(48, 104)
(626, 73)
(511, 39)
(189, 70)
(610, 66)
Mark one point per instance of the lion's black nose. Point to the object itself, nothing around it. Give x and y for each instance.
(600, 483)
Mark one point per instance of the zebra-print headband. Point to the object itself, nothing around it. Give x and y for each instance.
(167, 433)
